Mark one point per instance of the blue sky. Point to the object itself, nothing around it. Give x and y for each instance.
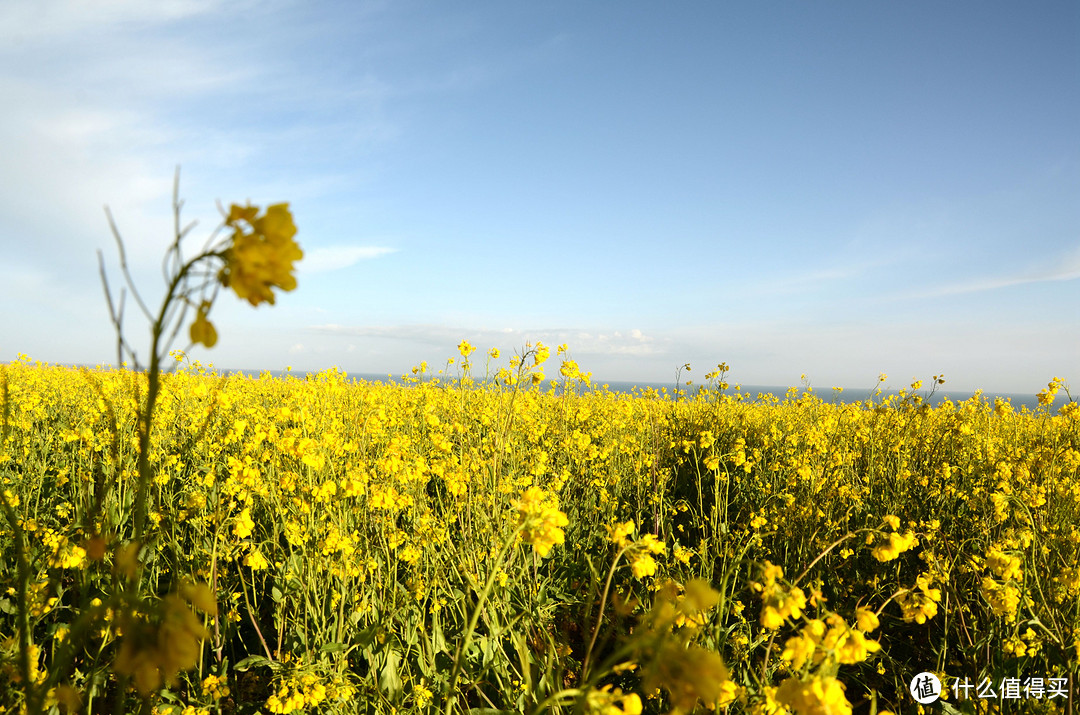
(836, 189)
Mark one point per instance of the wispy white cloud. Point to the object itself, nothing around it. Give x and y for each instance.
(581, 342)
(835, 270)
(28, 21)
(85, 121)
(1065, 268)
(335, 258)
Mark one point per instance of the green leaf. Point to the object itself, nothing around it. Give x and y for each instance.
(256, 661)
(389, 680)
(366, 636)
(333, 648)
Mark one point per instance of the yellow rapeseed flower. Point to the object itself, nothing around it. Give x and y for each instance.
(866, 620)
(1005, 566)
(202, 330)
(643, 565)
(894, 545)
(611, 701)
(618, 533)
(262, 253)
(540, 519)
(819, 696)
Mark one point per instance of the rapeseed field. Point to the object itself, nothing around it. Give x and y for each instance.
(451, 546)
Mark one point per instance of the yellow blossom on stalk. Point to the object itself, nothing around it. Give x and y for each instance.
(215, 687)
(849, 646)
(768, 704)
(202, 330)
(256, 561)
(421, 695)
(609, 701)
(297, 693)
(650, 543)
(244, 525)
(691, 607)
(1046, 397)
(542, 354)
(820, 696)
(866, 620)
(1004, 598)
(798, 650)
(894, 545)
(617, 534)
(154, 653)
(921, 604)
(643, 565)
(262, 253)
(771, 572)
(683, 554)
(778, 603)
(465, 349)
(1005, 566)
(540, 519)
(690, 674)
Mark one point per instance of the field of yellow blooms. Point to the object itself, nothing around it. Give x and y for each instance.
(327, 546)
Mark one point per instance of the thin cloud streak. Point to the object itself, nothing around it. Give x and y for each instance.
(1067, 269)
(581, 342)
(816, 278)
(336, 258)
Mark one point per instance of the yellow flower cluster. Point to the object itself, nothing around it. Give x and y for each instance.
(609, 701)
(202, 331)
(65, 555)
(640, 552)
(540, 520)
(298, 693)
(262, 253)
(1004, 598)
(818, 696)
(689, 673)
(890, 546)
(1008, 568)
(153, 653)
(214, 687)
(920, 603)
(244, 524)
(839, 643)
(778, 602)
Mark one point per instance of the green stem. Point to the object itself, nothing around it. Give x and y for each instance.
(600, 615)
(451, 696)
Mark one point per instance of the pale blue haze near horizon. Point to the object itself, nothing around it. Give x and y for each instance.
(835, 189)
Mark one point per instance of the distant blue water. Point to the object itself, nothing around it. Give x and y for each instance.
(753, 392)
